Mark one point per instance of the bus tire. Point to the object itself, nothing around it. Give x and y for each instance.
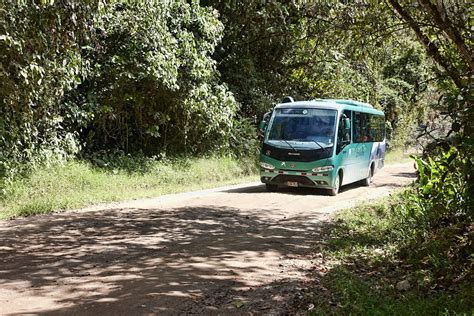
(271, 187)
(335, 190)
(367, 181)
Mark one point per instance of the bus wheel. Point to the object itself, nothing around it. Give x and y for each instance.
(367, 181)
(271, 187)
(337, 185)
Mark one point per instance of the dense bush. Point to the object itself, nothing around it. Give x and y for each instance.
(117, 76)
(444, 192)
(431, 221)
(40, 60)
(154, 87)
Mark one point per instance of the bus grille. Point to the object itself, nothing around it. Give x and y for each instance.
(302, 155)
(285, 178)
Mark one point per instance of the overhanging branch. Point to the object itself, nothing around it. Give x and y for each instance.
(447, 27)
(430, 47)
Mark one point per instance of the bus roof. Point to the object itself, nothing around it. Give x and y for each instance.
(336, 104)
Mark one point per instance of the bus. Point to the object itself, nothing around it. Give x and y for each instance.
(323, 143)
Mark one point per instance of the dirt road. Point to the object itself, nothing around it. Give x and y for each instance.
(226, 251)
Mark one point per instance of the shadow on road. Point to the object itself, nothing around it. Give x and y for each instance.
(182, 260)
(406, 175)
(260, 188)
(291, 191)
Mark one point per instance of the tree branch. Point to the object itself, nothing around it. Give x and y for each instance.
(431, 49)
(446, 26)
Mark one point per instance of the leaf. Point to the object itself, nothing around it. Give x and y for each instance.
(238, 304)
(427, 188)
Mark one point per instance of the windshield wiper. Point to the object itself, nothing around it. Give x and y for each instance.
(289, 145)
(312, 140)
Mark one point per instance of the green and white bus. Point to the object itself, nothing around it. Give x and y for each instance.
(324, 143)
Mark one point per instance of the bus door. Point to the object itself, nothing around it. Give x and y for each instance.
(344, 150)
(363, 144)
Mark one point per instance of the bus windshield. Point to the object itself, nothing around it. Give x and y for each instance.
(304, 125)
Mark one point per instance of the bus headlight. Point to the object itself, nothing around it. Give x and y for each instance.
(267, 166)
(323, 169)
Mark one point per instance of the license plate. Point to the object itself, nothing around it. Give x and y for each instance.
(292, 184)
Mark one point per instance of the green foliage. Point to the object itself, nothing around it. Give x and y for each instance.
(356, 295)
(251, 56)
(443, 28)
(244, 140)
(402, 92)
(371, 248)
(154, 87)
(442, 196)
(40, 60)
(396, 156)
(80, 78)
(80, 183)
(436, 214)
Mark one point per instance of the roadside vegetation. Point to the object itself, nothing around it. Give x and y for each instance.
(75, 184)
(399, 155)
(411, 254)
(376, 265)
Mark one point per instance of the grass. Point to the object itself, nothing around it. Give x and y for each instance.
(354, 295)
(397, 155)
(369, 251)
(79, 183)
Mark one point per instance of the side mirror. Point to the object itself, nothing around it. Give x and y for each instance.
(347, 123)
(263, 124)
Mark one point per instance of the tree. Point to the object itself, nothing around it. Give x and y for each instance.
(438, 20)
(40, 60)
(154, 87)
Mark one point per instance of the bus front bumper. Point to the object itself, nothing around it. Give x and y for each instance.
(323, 180)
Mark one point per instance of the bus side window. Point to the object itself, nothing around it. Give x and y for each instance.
(368, 128)
(362, 127)
(357, 127)
(376, 128)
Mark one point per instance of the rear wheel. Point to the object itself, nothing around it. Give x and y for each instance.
(337, 185)
(367, 181)
(271, 187)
